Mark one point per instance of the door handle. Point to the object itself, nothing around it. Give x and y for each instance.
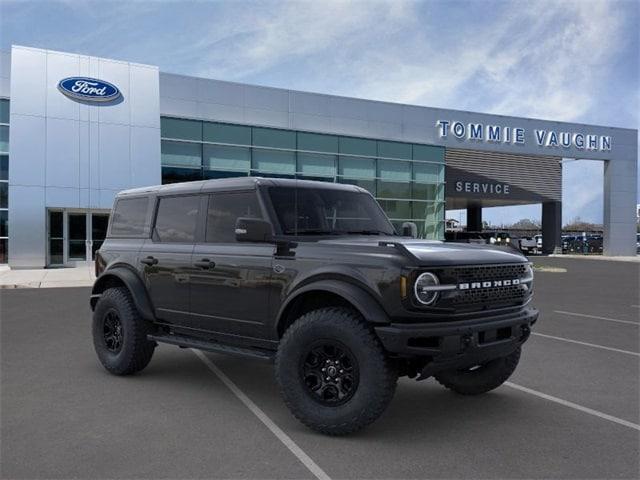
(149, 261)
(205, 263)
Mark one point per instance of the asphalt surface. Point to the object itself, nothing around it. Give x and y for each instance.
(63, 416)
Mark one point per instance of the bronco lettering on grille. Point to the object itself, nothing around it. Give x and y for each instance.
(488, 284)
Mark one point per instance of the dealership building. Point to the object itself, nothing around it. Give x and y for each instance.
(75, 130)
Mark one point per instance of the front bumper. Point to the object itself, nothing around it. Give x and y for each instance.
(450, 345)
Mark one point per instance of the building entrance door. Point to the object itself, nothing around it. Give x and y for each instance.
(74, 236)
(77, 237)
(55, 247)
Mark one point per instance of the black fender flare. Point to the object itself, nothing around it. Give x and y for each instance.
(357, 296)
(133, 283)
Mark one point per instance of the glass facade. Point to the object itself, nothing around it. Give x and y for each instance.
(407, 179)
(4, 181)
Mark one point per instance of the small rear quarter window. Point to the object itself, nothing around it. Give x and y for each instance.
(129, 216)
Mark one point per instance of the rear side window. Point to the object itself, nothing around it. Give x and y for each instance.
(176, 219)
(224, 210)
(129, 217)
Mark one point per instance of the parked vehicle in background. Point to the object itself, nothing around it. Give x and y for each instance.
(582, 244)
(485, 237)
(528, 245)
(312, 276)
(566, 241)
(538, 239)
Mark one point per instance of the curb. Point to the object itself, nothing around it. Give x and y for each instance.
(67, 284)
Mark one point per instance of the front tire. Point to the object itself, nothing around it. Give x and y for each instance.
(333, 373)
(120, 333)
(481, 378)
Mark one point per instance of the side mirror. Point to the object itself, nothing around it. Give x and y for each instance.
(409, 229)
(253, 230)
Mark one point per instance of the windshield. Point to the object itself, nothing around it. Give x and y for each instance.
(319, 211)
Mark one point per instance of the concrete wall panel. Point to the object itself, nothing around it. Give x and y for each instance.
(263, 98)
(144, 98)
(310, 103)
(223, 93)
(115, 159)
(179, 87)
(27, 140)
(62, 168)
(62, 197)
(27, 241)
(28, 81)
(145, 152)
(224, 113)
(270, 118)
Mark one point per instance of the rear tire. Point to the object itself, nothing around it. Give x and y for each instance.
(120, 333)
(480, 379)
(358, 380)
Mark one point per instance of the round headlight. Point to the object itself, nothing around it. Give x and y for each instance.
(423, 288)
(492, 240)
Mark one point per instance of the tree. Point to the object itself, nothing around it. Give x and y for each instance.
(526, 224)
(579, 225)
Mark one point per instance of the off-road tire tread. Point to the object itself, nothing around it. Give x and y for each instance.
(345, 318)
(139, 355)
(470, 385)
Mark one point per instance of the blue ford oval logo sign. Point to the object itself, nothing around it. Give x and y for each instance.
(89, 89)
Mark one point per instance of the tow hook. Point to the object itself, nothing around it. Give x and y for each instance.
(526, 331)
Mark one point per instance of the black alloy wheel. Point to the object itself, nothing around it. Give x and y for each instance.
(329, 372)
(112, 331)
(333, 373)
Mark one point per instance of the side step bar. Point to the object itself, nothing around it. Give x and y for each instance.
(212, 346)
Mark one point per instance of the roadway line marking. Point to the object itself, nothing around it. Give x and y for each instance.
(596, 317)
(586, 344)
(257, 411)
(575, 406)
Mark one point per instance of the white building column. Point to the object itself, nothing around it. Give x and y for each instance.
(620, 199)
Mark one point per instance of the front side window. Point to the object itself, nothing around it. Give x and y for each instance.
(316, 211)
(129, 217)
(176, 219)
(224, 210)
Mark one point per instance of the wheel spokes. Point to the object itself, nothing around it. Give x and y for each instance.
(112, 331)
(329, 373)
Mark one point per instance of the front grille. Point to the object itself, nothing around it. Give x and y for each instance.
(487, 297)
(498, 295)
(489, 272)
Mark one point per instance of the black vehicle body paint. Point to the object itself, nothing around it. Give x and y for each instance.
(241, 296)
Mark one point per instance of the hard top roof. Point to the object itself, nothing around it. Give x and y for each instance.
(236, 183)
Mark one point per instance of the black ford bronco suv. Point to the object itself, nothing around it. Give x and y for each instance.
(313, 276)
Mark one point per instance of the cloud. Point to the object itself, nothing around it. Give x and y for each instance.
(570, 60)
(322, 34)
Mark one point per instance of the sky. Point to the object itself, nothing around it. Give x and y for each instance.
(558, 60)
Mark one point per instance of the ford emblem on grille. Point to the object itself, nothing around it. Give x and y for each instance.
(88, 89)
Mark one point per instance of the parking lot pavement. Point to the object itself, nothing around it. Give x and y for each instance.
(63, 416)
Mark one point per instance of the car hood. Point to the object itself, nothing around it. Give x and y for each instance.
(434, 252)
